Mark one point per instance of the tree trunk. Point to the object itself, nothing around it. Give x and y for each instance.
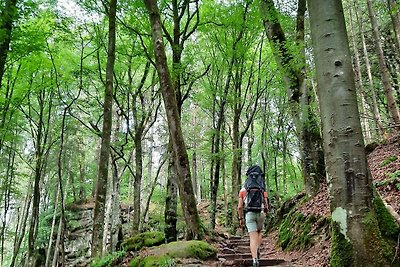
(101, 186)
(307, 128)
(375, 109)
(359, 84)
(21, 226)
(188, 201)
(53, 226)
(171, 202)
(392, 106)
(7, 184)
(138, 135)
(39, 151)
(394, 11)
(6, 25)
(354, 221)
(82, 171)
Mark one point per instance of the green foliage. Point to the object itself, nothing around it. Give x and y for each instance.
(377, 244)
(110, 259)
(147, 239)
(387, 224)
(394, 178)
(388, 160)
(166, 254)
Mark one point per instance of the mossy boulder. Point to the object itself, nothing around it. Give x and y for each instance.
(147, 239)
(112, 259)
(296, 231)
(167, 254)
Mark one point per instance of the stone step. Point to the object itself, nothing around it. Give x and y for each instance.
(230, 257)
(262, 262)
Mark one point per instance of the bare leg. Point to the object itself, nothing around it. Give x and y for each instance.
(254, 242)
(259, 239)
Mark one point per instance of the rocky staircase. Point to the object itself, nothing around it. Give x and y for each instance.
(235, 251)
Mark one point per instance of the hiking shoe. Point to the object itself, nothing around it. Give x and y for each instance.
(256, 263)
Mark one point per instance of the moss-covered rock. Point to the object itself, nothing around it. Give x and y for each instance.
(147, 239)
(295, 231)
(109, 260)
(166, 254)
(152, 261)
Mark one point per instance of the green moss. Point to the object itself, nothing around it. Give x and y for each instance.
(152, 261)
(147, 239)
(376, 245)
(388, 160)
(191, 249)
(165, 255)
(386, 222)
(341, 249)
(295, 231)
(109, 260)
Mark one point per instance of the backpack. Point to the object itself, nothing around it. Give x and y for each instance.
(255, 188)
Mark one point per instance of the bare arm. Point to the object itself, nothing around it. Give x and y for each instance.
(240, 208)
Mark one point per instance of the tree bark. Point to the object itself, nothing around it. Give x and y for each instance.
(7, 18)
(181, 158)
(171, 202)
(313, 167)
(101, 186)
(392, 106)
(394, 11)
(359, 84)
(375, 109)
(349, 180)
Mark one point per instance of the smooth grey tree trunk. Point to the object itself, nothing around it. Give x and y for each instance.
(349, 180)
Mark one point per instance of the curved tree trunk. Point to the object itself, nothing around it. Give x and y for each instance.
(188, 201)
(349, 181)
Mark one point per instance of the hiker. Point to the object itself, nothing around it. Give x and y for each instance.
(252, 208)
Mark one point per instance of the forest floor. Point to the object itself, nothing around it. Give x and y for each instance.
(384, 163)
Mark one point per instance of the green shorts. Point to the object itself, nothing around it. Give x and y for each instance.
(254, 221)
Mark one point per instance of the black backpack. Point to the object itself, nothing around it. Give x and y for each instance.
(255, 188)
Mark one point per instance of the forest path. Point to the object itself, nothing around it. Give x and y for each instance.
(235, 251)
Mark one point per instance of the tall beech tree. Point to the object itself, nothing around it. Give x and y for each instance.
(185, 19)
(356, 236)
(292, 67)
(102, 178)
(181, 159)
